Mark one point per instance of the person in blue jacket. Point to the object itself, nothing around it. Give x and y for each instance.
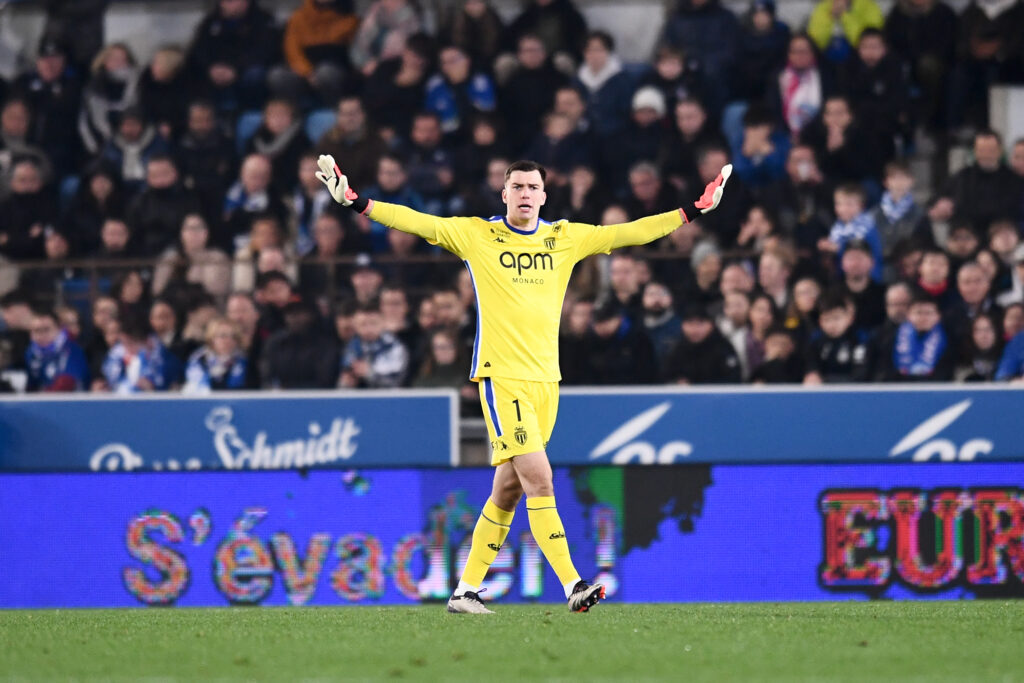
(54, 361)
(1011, 367)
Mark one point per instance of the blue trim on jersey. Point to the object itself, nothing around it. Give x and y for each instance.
(489, 397)
(479, 323)
(521, 232)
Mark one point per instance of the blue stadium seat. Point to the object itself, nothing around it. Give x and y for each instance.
(248, 124)
(319, 122)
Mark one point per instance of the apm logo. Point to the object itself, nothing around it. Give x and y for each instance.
(642, 452)
(523, 262)
(945, 449)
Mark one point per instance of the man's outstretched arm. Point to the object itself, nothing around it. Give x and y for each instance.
(648, 229)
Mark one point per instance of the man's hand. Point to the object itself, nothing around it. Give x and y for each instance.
(336, 182)
(713, 192)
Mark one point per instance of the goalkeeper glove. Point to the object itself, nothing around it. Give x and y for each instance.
(712, 193)
(337, 184)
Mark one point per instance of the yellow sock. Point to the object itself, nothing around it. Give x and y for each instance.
(488, 535)
(550, 536)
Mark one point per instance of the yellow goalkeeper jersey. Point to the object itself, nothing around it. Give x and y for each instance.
(520, 278)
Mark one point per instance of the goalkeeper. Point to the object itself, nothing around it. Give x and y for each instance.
(519, 265)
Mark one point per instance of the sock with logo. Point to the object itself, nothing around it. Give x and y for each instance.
(550, 536)
(490, 532)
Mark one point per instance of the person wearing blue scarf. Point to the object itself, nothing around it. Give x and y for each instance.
(139, 362)
(920, 350)
(220, 364)
(53, 360)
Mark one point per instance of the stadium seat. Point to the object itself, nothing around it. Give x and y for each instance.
(248, 124)
(319, 122)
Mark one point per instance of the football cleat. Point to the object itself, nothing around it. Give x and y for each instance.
(467, 603)
(584, 596)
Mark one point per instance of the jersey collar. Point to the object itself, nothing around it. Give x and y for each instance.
(516, 230)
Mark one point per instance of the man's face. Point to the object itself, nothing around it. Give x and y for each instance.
(595, 55)
(369, 325)
(657, 299)
(426, 132)
(50, 67)
(897, 301)
(277, 293)
(972, 284)
(447, 308)
(871, 50)
(623, 275)
(857, 264)
(690, 118)
(43, 330)
(201, 120)
(393, 304)
(56, 246)
(104, 309)
(923, 316)
(696, 330)
(351, 117)
(14, 120)
(835, 322)
(1004, 239)
(771, 272)
(366, 283)
(837, 114)
(987, 152)
(531, 53)
(327, 234)
(278, 116)
(961, 242)
(524, 195)
(569, 103)
(390, 175)
(1017, 159)
(800, 55)
(736, 307)
(161, 175)
(161, 318)
(454, 64)
(130, 129)
(25, 179)
(711, 165)
(114, 235)
(255, 175)
(645, 185)
(580, 317)
(899, 183)
(848, 206)
(801, 165)
(934, 268)
(242, 311)
(736, 279)
(496, 174)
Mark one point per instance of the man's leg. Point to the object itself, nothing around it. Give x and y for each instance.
(535, 476)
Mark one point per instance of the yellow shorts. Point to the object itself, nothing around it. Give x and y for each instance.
(520, 415)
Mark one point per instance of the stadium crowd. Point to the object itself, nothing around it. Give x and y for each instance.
(161, 225)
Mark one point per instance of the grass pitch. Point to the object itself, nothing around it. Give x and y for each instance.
(954, 641)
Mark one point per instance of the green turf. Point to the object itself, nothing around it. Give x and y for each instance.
(961, 641)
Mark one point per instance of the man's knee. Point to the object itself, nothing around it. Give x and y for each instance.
(507, 495)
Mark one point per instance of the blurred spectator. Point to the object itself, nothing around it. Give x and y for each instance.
(961, 243)
(642, 140)
(763, 315)
(661, 323)
(232, 49)
(933, 277)
(457, 91)
(281, 139)
(773, 270)
(840, 143)
(801, 85)
(762, 49)
(94, 342)
(264, 250)
(250, 196)
(473, 157)
(299, 356)
(48, 280)
(1016, 292)
(98, 198)
(570, 103)
(1011, 366)
(554, 149)
(675, 76)
(476, 28)
(394, 308)
(137, 362)
(319, 274)
(618, 349)
(853, 223)
(430, 166)
(1013, 320)
(25, 213)
(112, 88)
(702, 355)
(353, 143)
(375, 358)
(758, 229)
(316, 45)
(16, 318)
(980, 352)
(802, 200)
(131, 290)
(206, 156)
(975, 299)
(163, 321)
(79, 23)
(734, 324)
(706, 265)
(156, 213)
(867, 295)
(691, 133)
(527, 93)
(897, 217)
(840, 352)
(709, 33)
(54, 95)
(802, 316)
(585, 198)
(897, 303)
(160, 87)
(242, 312)
(391, 187)
(608, 87)
(876, 85)
(573, 340)
(922, 33)
(920, 350)
(132, 146)
(624, 286)
(382, 35)
(982, 191)
(192, 259)
(647, 194)
(15, 123)
(307, 202)
(220, 364)
(395, 91)
(366, 280)
(781, 361)
(836, 26)
(724, 222)
(445, 367)
(115, 242)
(404, 246)
(53, 360)
(558, 24)
(759, 158)
(989, 49)
(485, 199)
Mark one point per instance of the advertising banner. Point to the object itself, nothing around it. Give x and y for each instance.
(699, 425)
(650, 534)
(230, 431)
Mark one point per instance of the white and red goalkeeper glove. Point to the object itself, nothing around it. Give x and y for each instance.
(712, 194)
(337, 184)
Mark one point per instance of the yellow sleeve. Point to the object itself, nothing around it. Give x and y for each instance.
(601, 239)
(453, 234)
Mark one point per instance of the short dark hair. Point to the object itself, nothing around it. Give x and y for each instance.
(43, 312)
(264, 279)
(757, 115)
(603, 36)
(988, 133)
(526, 166)
(872, 32)
(372, 306)
(852, 190)
(920, 296)
(897, 166)
(834, 298)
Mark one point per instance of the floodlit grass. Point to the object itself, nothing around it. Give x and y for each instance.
(923, 641)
